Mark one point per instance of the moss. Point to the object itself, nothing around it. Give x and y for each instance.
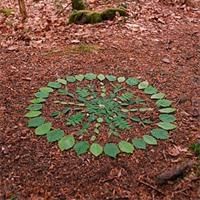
(78, 5)
(92, 17)
(6, 11)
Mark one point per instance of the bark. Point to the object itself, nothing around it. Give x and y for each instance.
(22, 9)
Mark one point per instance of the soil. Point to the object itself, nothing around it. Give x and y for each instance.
(158, 42)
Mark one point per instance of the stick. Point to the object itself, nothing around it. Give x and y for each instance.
(60, 12)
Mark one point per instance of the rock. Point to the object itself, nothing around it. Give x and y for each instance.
(166, 60)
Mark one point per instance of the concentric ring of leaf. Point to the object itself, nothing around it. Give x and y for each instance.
(166, 126)
(111, 149)
(142, 85)
(79, 77)
(139, 143)
(42, 94)
(81, 147)
(35, 122)
(90, 76)
(33, 113)
(132, 81)
(163, 103)
(126, 147)
(96, 149)
(46, 89)
(150, 90)
(55, 135)
(167, 118)
(54, 85)
(159, 133)
(43, 129)
(121, 79)
(111, 78)
(167, 110)
(67, 142)
(70, 79)
(101, 77)
(34, 107)
(149, 140)
(62, 81)
(158, 96)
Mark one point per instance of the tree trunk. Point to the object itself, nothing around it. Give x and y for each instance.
(22, 9)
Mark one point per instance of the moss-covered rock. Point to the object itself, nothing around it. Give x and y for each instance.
(78, 5)
(92, 17)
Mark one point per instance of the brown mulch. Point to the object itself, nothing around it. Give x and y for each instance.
(159, 43)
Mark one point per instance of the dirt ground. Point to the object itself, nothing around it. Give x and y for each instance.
(158, 41)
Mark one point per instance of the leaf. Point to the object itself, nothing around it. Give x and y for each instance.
(121, 79)
(33, 113)
(96, 149)
(46, 89)
(55, 85)
(149, 140)
(167, 110)
(121, 123)
(79, 77)
(101, 77)
(63, 92)
(132, 81)
(150, 90)
(90, 76)
(66, 110)
(55, 114)
(35, 107)
(55, 135)
(81, 147)
(136, 119)
(145, 109)
(43, 129)
(111, 149)
(167, 118)
(143, 85)
(38, 100)
(166, 126)
(75, 119)
(158, 96)
(163, 103)
(126, 96)
(62, 81)
(125, 147)
(67, 142)
(100, 120)
(82, 92)
(35, 122)
(111, 78)
(42, 94)
(71, 79)
(139, 143)
(159, 133)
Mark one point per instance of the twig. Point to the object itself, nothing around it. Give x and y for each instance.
(60, 12)
(152, 187)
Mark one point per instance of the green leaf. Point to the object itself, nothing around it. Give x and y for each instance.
(167, 118)
(55, 114)
(33, 113)
(111, 149)
(147, 121)
(101, 77)
(55, 85)
(43, 129)
(132, 81)
(35, 107)
(159, 133)
(125, 147)
(100, 120)
(158, 96)
(71, 79)
(166, 126)
(67, 142)
(163, 103)
(143, 85)
(55, 135)
(139, 143)
(62, 81)
(42, 94)
(82, 92)
(150, 90)
(35, 122)
(96, 149)
(121, 79)
(79, 77)
(81, 147)
(75, 119)
(66, 110)
(90, 76)
(38, 100)
(121, 123)
(167, 110)
(63, 92)
(111, 78)
(149, 140)
(136, 119)
(46, 89)
(126, 96)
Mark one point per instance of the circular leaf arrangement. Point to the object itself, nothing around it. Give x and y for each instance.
(101, 114)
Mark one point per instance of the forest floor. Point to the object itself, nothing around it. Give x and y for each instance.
(158, 42)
